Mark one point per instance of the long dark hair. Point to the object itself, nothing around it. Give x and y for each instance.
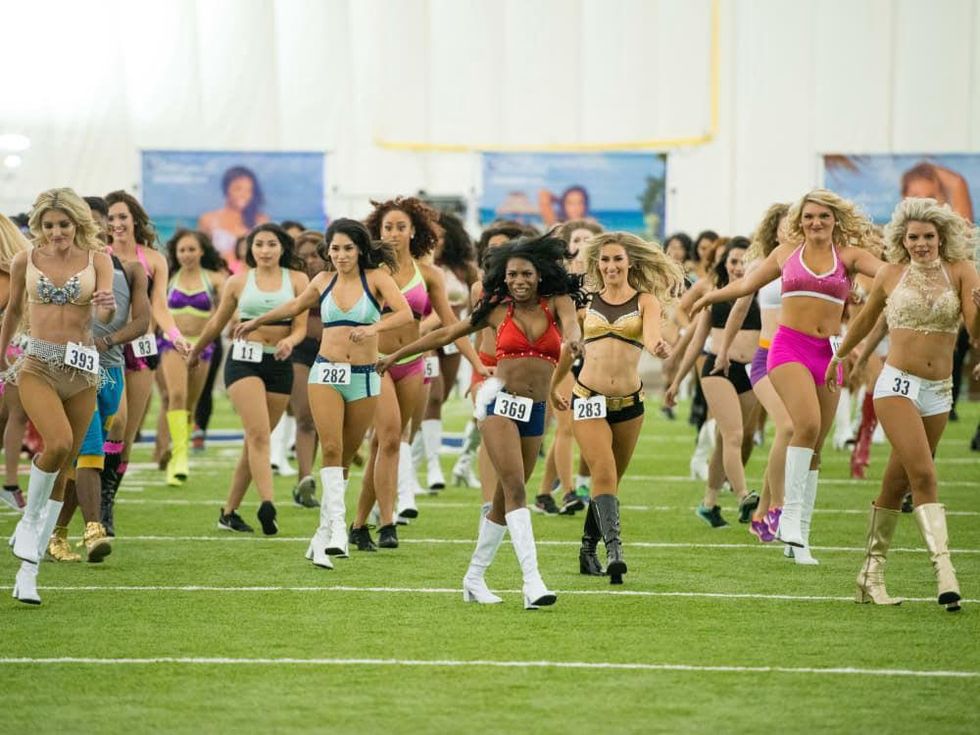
(288, 258)
(210, 260)
(547, 254)
(721, 269)
(143, 231)
(256, 203)
(458, 253)
(371, 253)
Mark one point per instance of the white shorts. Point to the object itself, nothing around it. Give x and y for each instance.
(930, 397)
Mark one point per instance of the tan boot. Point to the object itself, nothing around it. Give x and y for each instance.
(931, 518)
(97, 544)
(58, 547)
(871, 578)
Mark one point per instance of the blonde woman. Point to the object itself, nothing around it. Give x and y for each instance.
(924, 291)
(825, 247)
(635, 280)
(14, 419)
(59, 371)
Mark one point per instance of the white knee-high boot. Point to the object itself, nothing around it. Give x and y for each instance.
(842, 420)
(334, 511)
(522, 537)
(803, 555)
(703, 450)
(797, 473)
(432, 439)
(279, 443)
(406, 483)
(474, 585)
(27, 534)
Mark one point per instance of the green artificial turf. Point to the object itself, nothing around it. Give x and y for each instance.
(384, 643)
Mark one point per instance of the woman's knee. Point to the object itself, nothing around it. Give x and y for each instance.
(57, 449)
(332, 451)
(806, 432)
(257, 439)
(921, 477)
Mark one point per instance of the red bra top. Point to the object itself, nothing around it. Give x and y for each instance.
(513, 343)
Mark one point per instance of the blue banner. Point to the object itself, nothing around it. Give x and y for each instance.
(226, 193)
(621, 191)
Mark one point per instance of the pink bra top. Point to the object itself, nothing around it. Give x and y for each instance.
(799, 280)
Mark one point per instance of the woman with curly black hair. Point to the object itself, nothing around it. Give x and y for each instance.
(528, 299)
(412, 229)
(258, 374)
(456, 258)
(192, 297)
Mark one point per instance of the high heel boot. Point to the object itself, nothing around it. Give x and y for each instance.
(474, 584)
(607, 514)
(931, 519)
(536, 594)
(871, 578)
(588, 560)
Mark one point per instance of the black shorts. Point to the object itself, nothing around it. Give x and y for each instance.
(276, 375)
(306, 351)
(615, 412)
(738, 374)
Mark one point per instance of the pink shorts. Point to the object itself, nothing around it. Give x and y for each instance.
(813, 353)
(404, 370)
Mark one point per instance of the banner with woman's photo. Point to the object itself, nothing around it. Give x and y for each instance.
(622, 191)
(226, 193)
(878, 182)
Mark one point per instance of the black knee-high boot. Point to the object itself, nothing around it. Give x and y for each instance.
(110, 477)
(588, 560)
(607, 512)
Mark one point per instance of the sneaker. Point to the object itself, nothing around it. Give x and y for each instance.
(584, 493)
(747, 506)
(760, 529)
(233, 522)
(571, 503)
(388, 537)
(267, 517)
(197, 440)
(772, 519)
(304, 494)
(12, 496)
(361, 538)
(711, 516)
(545, 504)
(907, 506)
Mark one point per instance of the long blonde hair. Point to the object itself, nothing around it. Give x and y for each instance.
(66, 200)
(12, 241)
(957, 237)
(765, 237)
(650, 270)
(852, 227)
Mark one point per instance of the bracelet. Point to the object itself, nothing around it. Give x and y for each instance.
(173, 334)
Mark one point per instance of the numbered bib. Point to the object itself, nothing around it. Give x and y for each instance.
(904, 386)
(432, 367)
(589, 408)
(513, 407)
(81, 357)
(450, 349)
(145, 346)
(334, 373)
(246, 351)
(835, 343)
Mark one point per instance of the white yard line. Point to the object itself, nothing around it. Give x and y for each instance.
(489, 664)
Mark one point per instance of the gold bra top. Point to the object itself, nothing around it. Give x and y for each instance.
(618, 321)
(924, 300)
(77, 290)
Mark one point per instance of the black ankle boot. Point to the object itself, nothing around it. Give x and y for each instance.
(110, 479)
(361, 538)
(607, 512)
(388, 536)
(588, 560)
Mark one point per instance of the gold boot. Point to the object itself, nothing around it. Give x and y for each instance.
(871, 578)
(97, 545)
(931, 518)
(58, 547)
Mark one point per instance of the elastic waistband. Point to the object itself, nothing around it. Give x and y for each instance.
(929, 384)
(320, 359)
(613, 403)
(797, 334)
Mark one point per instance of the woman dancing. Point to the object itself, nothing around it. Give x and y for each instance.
(625, 317)
(928, 286)
(527, 298)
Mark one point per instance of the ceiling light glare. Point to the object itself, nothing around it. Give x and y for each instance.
(12, 160)
(14, 142)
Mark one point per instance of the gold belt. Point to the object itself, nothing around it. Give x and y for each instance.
(613, 403)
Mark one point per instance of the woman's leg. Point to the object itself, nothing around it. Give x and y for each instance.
(139, 386)
(727, 410)
(776, 467)
(258, 411)
(560, 456)
(13, 434)
(306, 428)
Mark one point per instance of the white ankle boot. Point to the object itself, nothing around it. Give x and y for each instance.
(25, 584)
(536, 594)
(333, 512)
(474, 585)
(432, 439)
(27, 535)
(797, 473)
(802, 555)
(316, 552)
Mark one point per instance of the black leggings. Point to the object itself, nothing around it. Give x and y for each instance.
(202, 413)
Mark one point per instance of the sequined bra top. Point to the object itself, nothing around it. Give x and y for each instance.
(799, 280)
(924, 300)
(618, 321)
(77, 290)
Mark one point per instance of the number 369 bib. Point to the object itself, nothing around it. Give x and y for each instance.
(513, 407)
